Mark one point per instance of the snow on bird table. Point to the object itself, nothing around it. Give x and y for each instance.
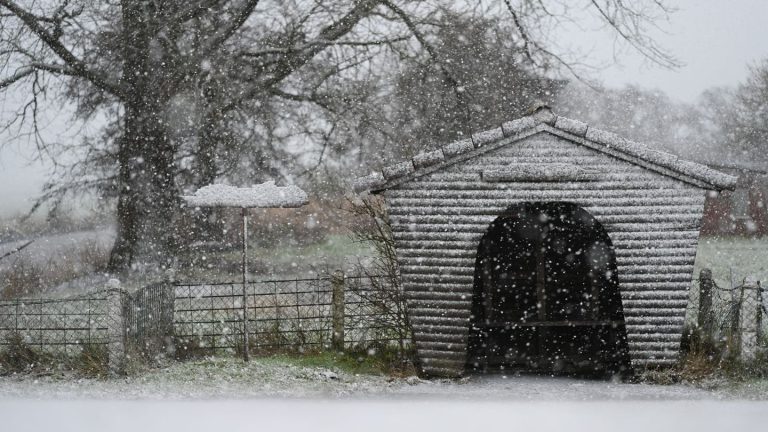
(265, 195)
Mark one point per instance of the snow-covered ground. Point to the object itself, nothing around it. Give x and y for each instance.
(272, 394)
(230, 378)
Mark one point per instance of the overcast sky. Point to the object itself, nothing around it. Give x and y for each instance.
(715, 39)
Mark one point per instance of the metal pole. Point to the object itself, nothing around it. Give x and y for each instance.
(246, 355)
(337, 302)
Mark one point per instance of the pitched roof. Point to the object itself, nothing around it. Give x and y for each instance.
(543, 120)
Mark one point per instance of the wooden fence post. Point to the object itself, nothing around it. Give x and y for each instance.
(337, 305)
(706, 317)
(748, 318)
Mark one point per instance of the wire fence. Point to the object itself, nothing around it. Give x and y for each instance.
(148, 318)
(732, 316)
(297, 314)
(294, 314)
(726, 304)
(203, 318)
(60, 326)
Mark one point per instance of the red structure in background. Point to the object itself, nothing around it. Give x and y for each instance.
(742, 212)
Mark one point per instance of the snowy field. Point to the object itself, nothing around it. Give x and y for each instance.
(266, 394)
(57, 246)
(733, 259)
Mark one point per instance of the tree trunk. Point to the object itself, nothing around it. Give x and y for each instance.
(147, 197)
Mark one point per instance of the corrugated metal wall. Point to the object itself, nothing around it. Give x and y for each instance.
(438, 220)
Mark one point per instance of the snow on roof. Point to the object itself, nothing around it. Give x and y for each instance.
(265, 195)
(544, 120)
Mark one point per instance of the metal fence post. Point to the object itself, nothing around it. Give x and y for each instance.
(337, 301)
(90, 320)
(748, 318)
(116, 324)
(168, 307)
(706, 317)
(246, 343)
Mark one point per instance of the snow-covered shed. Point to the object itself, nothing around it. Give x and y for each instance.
(545, 244)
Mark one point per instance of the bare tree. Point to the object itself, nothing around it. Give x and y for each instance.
(496, 81)
(183, 93)
(740, 116)
(136, 56)
(648, 116)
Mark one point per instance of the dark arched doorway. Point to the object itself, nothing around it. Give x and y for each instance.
(546, 295)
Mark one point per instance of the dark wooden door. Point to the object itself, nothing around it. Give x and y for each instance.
(546, 294)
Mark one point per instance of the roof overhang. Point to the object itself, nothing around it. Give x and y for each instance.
(544, 121)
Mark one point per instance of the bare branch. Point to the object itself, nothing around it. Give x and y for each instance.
(21, 74)
(288, 64)
(458, 89)
(520, 29)
(16, 250)
(281, 51)
(628, 25)
(52, 41)
(239, 19)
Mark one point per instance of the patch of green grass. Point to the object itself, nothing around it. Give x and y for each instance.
(334, 246)
(354, 363)
(286, 260)
(361, 362)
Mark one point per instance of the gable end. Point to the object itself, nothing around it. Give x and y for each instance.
(543, 120)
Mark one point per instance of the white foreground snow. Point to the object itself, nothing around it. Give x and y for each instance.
(223, 394)
(265, 195)
(381, 415)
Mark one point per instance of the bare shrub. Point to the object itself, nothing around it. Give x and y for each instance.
(706, 357)
(93, 257)
(190, 348)
(27, 277)
(18, 357)
(23, 278)
(93, 361)
(381, 291)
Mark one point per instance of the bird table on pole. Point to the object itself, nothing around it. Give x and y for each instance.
(265, 195)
